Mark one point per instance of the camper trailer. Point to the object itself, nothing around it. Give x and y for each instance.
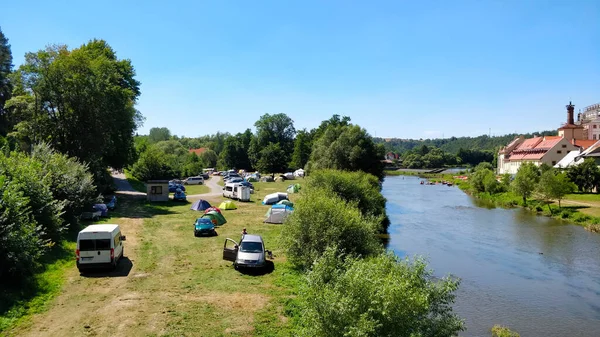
(236, 191)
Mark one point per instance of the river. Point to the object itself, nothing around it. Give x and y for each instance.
(539, 276)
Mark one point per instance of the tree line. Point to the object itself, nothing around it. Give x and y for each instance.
(275, 147)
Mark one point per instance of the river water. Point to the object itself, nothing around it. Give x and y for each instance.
(539, 276)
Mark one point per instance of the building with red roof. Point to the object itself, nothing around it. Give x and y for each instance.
(199, 151)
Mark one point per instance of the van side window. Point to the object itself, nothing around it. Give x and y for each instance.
(117, 239)
(102, 244)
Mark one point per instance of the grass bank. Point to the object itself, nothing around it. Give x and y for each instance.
(196, 189)
(136, 184)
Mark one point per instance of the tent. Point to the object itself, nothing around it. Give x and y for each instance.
(102, 208)
(274, 198)
(200, 205)
(295, 188)
(277, 215)
(215, 217)
(286, 202)
(299, 173)
(212, 208)
(279, 179)
(289, 176)
(266, 179)
(227, 204)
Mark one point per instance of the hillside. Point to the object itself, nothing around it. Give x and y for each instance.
(454, 144)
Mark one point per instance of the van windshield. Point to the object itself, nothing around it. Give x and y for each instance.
(251, 247)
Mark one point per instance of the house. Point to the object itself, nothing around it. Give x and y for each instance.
(199, 151)
(549, 150)
(575, 157)
(591, 152)
(391, 156)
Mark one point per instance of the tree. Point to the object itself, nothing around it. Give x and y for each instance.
(159, 134)
(526, 180)
(272, 129)
(193, 165)
(209, 158)
(585, 175)
(272, 159)
(83, 104)
(302, 149)
(5, 83)
(554, 186)
(347, 148)
(322, 219)
(378, 296)
(153, 164)
(334, 121)
(235, 151)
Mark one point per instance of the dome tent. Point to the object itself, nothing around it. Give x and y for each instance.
(215, 217)
(227, 204)
(295, 188)
(200, 205)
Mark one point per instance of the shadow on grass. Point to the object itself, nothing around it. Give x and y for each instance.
(136, 208)
(573, 207)
(268, 269)
(122, 270)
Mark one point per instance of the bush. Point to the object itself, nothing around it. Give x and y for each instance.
(323, 219)
(502, 331)
(378, 296)
(362, 188)
(154, 164)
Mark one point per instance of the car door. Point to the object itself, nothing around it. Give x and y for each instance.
(230, 249)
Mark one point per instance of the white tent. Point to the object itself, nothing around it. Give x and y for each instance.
(299, 173)
(277, 215)
(274, 198)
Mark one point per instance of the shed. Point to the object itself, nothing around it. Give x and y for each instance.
(157, 190)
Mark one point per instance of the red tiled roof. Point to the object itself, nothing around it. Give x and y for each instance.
(584, 144)
(198, 151)
(534, 148)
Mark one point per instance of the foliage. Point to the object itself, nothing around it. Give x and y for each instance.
(302, 149)
(209, 158)
(360, 188)
(554, 186)
(193, 166)
(5, 83)
(323, 219)
(502, 331)
(83, 103)
(70, 181)
(585, 175)
(153, 165)
(483, 166)
(378, 296)
(525, 181)
(158, 135)
(334, 121)
(235, 151)
(347, 148)
(274, 136)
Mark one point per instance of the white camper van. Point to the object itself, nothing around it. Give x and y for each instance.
(99, 246)
(236, 191)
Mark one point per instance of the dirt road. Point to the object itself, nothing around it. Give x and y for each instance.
(215, 189)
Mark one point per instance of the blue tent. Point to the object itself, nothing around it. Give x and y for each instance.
(102, 208)
(200, 205)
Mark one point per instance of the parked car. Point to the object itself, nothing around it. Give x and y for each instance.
(234, 180)
(205, 175)
(99, 246)
(250, 253)
(247, 184)
(179, 195)
(174, 187)
(197, 180)
(204, 226)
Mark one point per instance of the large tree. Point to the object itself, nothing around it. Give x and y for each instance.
(235, 151)
(302, 149)
(348, 148)
(159, 134)
(585, 175)
(277, 129)
(526, 180)
(5, 84)
(554, 186)
(81, 101)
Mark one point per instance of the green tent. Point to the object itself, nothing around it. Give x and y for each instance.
(286, 202)
(227, 204)
(293, 188)
(217, 218)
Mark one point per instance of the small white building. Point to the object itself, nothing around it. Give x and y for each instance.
(157, 190)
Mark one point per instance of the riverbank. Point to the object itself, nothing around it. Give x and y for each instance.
(578, 208)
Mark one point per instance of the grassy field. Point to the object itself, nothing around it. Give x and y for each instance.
(136, 184)
(196, 189)
(172, 283)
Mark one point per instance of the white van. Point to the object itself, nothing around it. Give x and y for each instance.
(99, 246)
(197, 180)
(230, 190)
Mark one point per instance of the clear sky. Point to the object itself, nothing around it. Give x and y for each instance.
(407, 69)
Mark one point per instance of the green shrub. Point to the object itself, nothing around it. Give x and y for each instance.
(154, 164)
(502, 331)
(580, 217)
(362, 188)
(323, 219)
(378, 296)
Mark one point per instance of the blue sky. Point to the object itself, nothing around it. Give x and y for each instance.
(407, 69)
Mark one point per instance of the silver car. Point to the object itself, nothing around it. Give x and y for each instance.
(249, 253)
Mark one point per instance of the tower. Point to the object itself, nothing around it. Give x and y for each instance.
(570, 110)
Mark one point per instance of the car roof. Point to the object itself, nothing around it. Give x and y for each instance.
(252, 238)
(99, 228)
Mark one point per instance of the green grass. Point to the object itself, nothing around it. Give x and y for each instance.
(593, 197)
(136, 184)
(196, 189)
(18, 305)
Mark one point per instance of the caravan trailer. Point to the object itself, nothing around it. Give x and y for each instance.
(236, 191)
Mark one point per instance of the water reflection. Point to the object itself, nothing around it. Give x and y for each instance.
(540, 276)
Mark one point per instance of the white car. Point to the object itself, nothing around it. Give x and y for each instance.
(99, 246)
(197, 180)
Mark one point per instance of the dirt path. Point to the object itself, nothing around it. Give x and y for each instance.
(99, 304)
(123, 186)
(215, 189)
